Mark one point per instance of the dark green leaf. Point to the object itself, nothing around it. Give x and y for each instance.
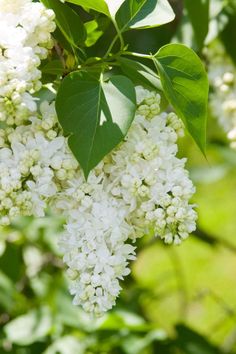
(198, 9)
(228, 36)
(53, 67)
(68, 22)
(143, 14)
(185, 84)
(96, 5)
(190, 342)
(97, 114)
(140, 74)
(14, 253)
(62, 41)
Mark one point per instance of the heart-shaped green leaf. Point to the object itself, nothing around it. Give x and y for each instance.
(68, 22)
(185, 85)
(96, 114)
(143, 14)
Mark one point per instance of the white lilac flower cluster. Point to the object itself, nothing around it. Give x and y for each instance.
(140, 188)
(222, 74)
(25, 39)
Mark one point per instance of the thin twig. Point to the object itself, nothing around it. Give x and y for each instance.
(59, 53)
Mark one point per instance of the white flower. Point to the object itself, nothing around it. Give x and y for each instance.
(222, 76)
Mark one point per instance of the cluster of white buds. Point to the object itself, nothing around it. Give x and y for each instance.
(35, 161)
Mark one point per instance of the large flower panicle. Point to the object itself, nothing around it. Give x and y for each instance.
(25, 29)
(140, 188)
(222, 75)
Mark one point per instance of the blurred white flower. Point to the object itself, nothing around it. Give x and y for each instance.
(222, 74)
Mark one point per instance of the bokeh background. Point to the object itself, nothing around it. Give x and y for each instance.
(177, 300)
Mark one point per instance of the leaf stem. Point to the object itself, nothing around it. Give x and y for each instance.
(140, 55)
(111, 45)
(118, 36)
(122, 43)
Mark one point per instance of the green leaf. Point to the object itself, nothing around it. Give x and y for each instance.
(143, 14)
(190, 342)
(185, 85)
(140, 74)
(99, 6)
(14, 253)
(29, 328)
(7, 292)
(62, 41)
(53, 67)
(96, 114)
(46, 93)
(198, 9)
(228, 34)
(68, 22)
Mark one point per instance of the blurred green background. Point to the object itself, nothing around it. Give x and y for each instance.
(177, 300)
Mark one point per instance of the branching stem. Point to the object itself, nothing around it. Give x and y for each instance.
(118, 36)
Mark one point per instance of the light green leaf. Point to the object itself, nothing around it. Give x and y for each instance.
(95, 29)
(66, 345)
(143, 14)
(68, 22)
(198, 9)
(96, 114)
(97, 5)
(140, 74)
(185, 85)
(29, 328)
